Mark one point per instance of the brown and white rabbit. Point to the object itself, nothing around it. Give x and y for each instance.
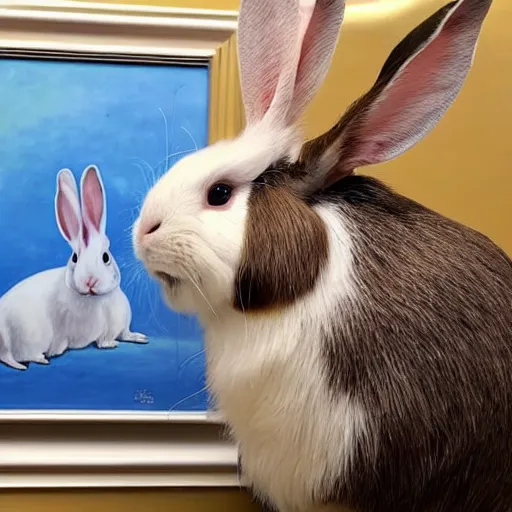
(359, 345)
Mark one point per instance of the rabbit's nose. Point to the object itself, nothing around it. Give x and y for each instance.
(91, 282)
(153, 228)
(147, 227)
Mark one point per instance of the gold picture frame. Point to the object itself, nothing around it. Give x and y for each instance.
(45, 449)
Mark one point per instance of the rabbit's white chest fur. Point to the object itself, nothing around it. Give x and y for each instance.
(267, 374)
(95, 318)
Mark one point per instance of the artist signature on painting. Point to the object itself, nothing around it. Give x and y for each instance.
(144, 397)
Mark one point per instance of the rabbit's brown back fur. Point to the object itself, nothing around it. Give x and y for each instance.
(427, 348)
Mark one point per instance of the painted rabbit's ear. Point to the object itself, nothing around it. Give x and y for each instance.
(67, 208)
(418, 83)
(285, 49)
(94, 210)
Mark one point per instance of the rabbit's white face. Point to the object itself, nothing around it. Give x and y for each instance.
(191, 229)
(93, 270)
(193, 247)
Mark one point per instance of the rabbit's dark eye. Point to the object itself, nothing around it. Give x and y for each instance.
(106, 257)
(74, 257)
(219, 194)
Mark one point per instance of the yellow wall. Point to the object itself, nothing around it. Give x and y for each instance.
(193, 4)
(463, 169)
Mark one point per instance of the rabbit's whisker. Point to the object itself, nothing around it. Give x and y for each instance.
(202, 294)
(202, 390)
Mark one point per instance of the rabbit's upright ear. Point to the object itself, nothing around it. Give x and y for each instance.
(94, 209)
(285, 48)
(418, 83)
(67, 209)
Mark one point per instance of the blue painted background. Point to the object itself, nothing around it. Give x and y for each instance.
(133, 121)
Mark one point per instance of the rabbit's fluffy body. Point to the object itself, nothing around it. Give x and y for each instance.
(60, 319)
(359, 345)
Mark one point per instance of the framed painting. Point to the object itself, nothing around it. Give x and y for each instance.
(97, 102)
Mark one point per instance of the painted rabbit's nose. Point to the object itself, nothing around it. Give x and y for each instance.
(91, 281)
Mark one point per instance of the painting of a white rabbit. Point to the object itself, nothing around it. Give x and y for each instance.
(82, 327)
(72, 306)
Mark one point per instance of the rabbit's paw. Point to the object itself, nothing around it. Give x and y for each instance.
(107, 343)
(10, 361)
(40, 359)
(135, 337)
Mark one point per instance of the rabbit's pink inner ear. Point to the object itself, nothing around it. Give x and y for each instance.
(268, 55)
(69, 223)
(267, 93)
(404, 113)
(320, 28)
(422, 90)
(92, 203)
(285, 50)
(306, 9)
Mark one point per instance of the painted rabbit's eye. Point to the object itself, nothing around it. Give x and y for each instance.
(74, 258)
(219, 194)
(106, 257)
